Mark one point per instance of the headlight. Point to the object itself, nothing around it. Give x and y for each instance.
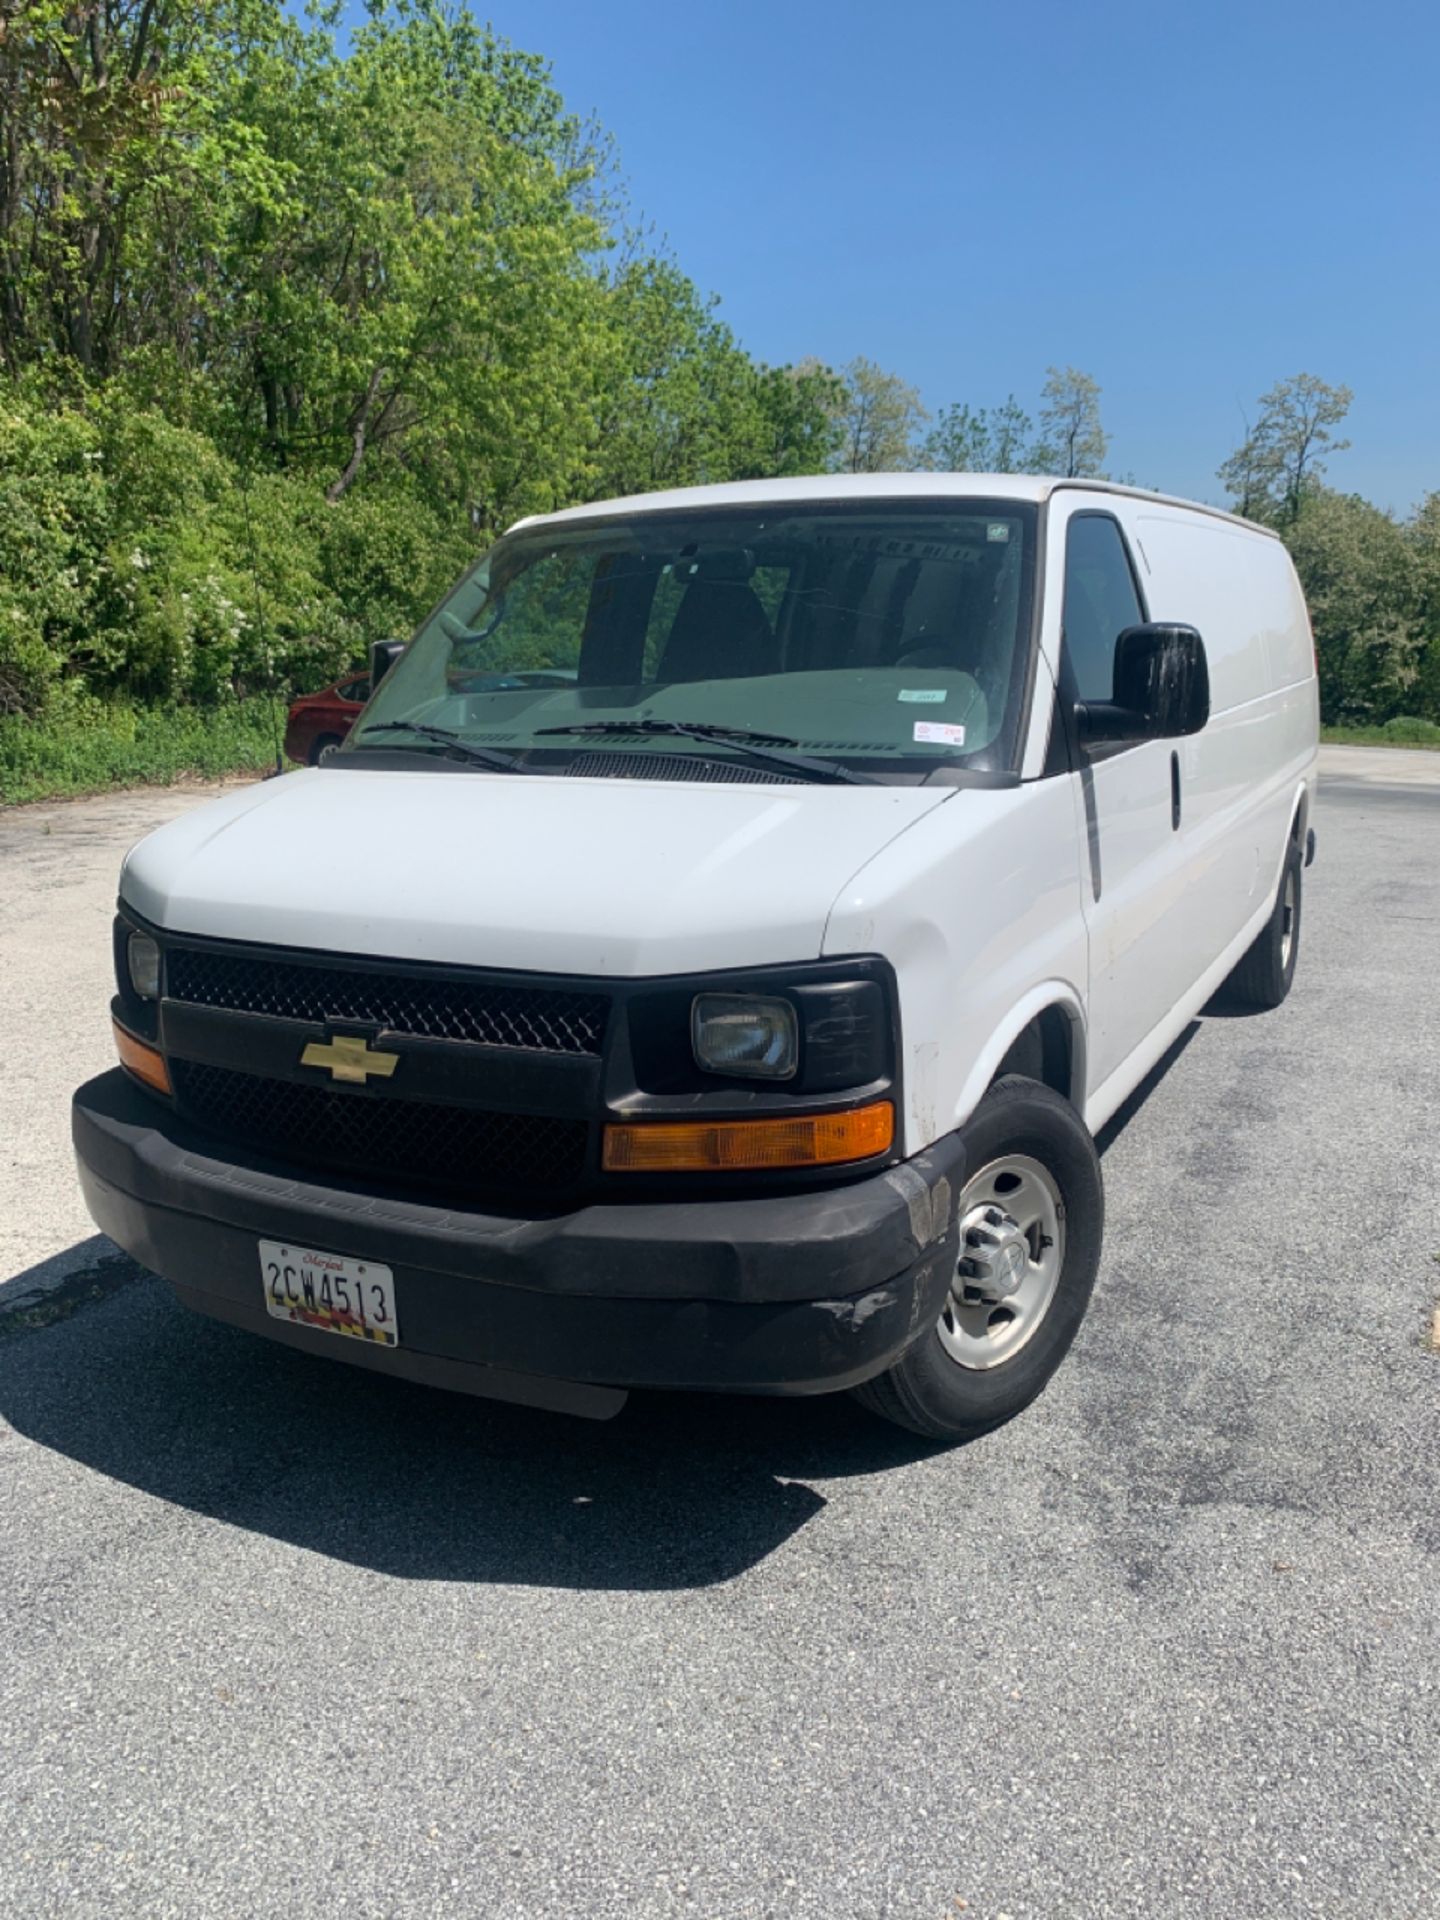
(143, 959)
(743, 1034)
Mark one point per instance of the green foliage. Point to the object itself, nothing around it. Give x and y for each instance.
(982, 440)
(1069, 439)
(879, 416)
(1072, 440)
(1407, 732)
(1372, 582)
(83, 745)
(137, 560)
(54, 523)
(1365, 579)
(1283, 457)
(288, 332)
(683, 404)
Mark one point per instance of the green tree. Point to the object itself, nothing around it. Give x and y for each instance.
(797, 430)
(1423, 534)
(1072, 440)
(1283, 456)
(92, 107)
(421, 288)
(1363, 576)
(674, 382)
(982, 440)
(878, 417)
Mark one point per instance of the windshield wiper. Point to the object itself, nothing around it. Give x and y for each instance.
(461, 748)
(767, 748)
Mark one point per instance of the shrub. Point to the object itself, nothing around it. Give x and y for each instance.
(1412, 730)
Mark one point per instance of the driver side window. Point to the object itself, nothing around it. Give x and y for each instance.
(1100, 602)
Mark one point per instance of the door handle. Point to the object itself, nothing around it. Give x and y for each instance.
(1174, 792)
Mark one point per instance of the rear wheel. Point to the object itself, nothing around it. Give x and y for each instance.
(1264, 976)
(1031, 1215)
(324, 746)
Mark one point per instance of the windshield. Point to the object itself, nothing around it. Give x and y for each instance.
(887, 636)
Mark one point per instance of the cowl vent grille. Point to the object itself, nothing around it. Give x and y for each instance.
(674, 766)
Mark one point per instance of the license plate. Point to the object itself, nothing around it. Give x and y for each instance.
(331, 1292)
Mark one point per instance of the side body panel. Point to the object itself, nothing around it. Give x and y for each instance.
(1241, 776)
(1244, 782)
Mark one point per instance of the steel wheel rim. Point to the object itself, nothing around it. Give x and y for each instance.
(979, 1331)
(1287, 920)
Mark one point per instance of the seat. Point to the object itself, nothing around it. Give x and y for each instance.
(720, 632)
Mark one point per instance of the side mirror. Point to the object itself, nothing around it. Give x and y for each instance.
(383, 656)
(1162, 688)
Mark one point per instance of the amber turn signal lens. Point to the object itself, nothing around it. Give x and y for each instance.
(732, 1146)
(143, 1061)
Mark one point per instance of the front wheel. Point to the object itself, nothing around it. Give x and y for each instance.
(1031, 1215)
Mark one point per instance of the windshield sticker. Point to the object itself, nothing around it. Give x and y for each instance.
(998, 530)
(923, 696)
(940, 733)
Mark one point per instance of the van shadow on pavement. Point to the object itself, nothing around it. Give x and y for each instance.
(679, 1491)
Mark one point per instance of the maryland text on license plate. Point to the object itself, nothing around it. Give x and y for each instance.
(331, 1292)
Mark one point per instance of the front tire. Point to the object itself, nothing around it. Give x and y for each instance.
(1032, 1215)
(323, 748)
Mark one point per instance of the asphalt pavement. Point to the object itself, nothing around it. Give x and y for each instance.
(285, 1638)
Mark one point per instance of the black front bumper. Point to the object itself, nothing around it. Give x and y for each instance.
(787, 1293)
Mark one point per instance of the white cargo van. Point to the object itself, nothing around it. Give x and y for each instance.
(708, 961)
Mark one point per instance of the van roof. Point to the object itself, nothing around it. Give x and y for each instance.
(874, 486)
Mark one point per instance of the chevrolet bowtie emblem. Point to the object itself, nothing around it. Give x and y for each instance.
(349, 1058)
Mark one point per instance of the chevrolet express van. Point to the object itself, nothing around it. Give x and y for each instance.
(708, 960)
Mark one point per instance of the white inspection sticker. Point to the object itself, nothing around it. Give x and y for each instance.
(940, 733)
(923, 696)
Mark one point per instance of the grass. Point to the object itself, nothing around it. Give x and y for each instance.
(1404, 732)
(95, 745)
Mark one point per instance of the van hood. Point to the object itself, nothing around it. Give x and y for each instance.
(543, 873)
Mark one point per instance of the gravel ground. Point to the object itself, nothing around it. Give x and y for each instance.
(288, 1639)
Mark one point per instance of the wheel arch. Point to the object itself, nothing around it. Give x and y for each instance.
(1300, 813)
(1300, 805)
(1046, 1027)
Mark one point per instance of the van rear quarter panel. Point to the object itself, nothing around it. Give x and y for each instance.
(1241, 777)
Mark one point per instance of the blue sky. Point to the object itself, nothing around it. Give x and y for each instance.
(1189, 203)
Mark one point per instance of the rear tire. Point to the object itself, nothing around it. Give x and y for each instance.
(976, 1367)
(1264, 976)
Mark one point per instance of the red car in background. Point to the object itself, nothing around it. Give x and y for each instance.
(319, 721)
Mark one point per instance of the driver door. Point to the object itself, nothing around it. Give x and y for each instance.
(1133, 894)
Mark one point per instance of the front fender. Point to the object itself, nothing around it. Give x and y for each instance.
(1050, 993)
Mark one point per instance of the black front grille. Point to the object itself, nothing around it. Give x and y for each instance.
(461, 1149)
(536, 1019)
